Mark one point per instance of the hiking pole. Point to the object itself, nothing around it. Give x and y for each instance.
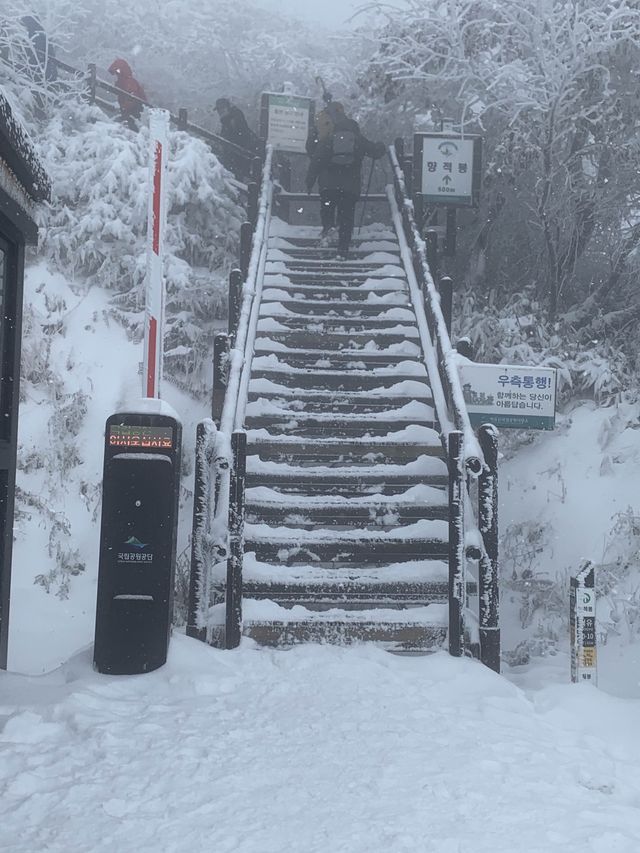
(327, 97)
(366, 195)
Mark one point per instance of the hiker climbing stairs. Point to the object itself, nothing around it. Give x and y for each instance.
(331, 486)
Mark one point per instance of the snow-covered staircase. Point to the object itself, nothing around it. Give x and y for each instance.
(332, 498)
(346, 533)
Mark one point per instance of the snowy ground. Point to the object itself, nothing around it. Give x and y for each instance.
(316, 749)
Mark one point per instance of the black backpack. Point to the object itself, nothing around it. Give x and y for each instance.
(343, 147)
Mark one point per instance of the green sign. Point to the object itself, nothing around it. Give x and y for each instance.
(509, 396)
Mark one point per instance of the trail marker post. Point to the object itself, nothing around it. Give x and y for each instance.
(156, 221)
(582, 620)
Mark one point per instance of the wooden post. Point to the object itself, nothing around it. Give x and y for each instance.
(221, 347)
(398, 144)
(488, 579)
(431, 239)
(235, 300)
(252, 203)
(451, 232)
(233, 630)
(463, 346)
(456, 544)
(256, 170)
(91, 82)
(407, 168)
(201, 510)
(418, 209)
(182, 119)
(246, 238)
(445, 289)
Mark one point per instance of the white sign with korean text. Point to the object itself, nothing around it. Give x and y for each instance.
(447, 169)
(288, 122)
(509, 396)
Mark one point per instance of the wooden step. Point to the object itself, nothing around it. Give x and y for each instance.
(394, 395)
(349, 359)
(353, 341)
(384, 448)
(373, 327)
(356, 380)
(385, 289)
(340, 308)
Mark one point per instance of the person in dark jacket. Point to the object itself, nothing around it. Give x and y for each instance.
(337, 149)
(233, 125)
(41, 62)
(130, 109)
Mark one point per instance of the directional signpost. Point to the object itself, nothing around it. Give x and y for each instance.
(285, 121)
(582, 617)
(447, 168)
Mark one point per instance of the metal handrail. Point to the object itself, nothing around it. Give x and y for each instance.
(459, 417)
(472, 534)
(221, 453)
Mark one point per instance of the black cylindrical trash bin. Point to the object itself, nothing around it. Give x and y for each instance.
(137, 542)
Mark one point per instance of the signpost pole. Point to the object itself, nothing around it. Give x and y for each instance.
(582, 619)
(156, 221)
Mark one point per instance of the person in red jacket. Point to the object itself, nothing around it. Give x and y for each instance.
(130, 110)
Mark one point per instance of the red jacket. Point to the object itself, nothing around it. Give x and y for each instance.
(127, 83)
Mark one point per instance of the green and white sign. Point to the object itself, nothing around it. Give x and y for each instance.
(286, 120)
(510, 396)
(447, 168)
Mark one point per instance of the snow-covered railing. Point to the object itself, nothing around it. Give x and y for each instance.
(471, 459)
(234, 157)
(218, 527)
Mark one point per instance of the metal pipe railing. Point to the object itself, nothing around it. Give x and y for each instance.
(472, 535)
(447, 369)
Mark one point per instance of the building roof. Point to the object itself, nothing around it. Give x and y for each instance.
(18, 154)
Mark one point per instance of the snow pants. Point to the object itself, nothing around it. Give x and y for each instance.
(337, 204)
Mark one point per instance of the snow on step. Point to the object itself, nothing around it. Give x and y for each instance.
(418, 531)
(255, 610)
(423, 466)
(319, 324)
(418, 494)
(407, 388)
(264, 406)
(371, 348)
(279, 365)
(334, 311)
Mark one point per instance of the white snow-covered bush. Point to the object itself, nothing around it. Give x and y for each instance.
(95, 227)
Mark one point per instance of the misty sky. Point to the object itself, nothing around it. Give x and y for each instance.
(327, 12)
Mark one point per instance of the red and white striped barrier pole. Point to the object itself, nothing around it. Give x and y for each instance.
(157, 215)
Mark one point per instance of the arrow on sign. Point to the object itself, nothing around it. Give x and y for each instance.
(446, 179)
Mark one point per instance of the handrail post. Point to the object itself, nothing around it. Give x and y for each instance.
(445, 289)
(91, 82)
(456, 543)
(418, 209)
(431, 240)
(221, 347)
(201, 498)
(246, 237)
(465, 348)
(233, 623)
(183, 119)
(488, 580)
(235, 300)
(252, 203)
(256, 170)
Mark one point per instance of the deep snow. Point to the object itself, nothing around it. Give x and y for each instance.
(315, 749)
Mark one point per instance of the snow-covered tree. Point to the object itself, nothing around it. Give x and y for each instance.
(552, 86)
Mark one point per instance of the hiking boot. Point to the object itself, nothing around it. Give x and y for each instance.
(326, 238)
